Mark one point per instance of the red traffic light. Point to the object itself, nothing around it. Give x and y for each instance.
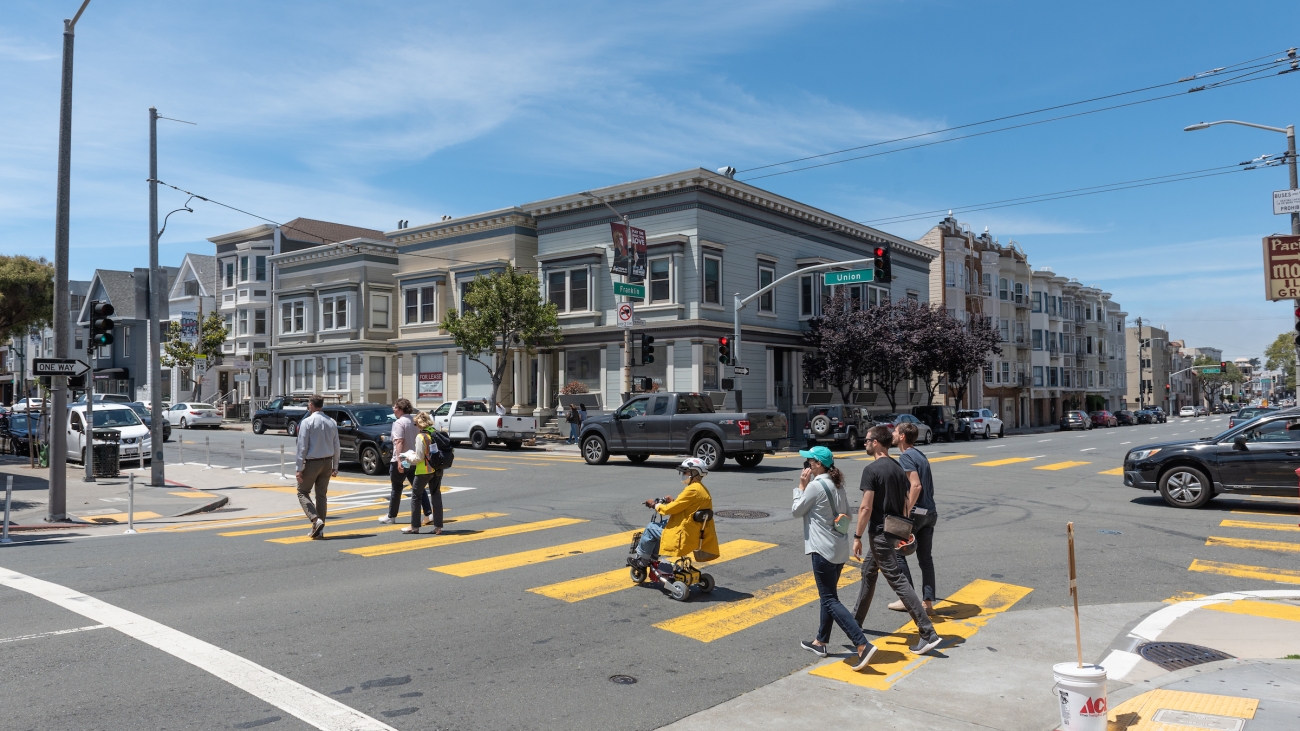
(723, 341)
(880, 251)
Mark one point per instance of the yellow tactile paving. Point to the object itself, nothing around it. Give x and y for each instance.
(1272, 610)
(192, 493)
(1253, 544)
(1256, 525)
(378, 528)
(1061, 466)
(119, 517)
(609, 582)
(1242, 571)
(1138, 714)
(540, 555)
(1116, 471)
(449, 539)
(959, 616)
(1000, 462)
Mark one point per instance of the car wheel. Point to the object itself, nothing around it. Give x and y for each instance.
(929, 436)
(1186, 487)
(949, 436)
(708, 451)
(167, 433)
(988, 433)
(478, 439)
(637, 458)
(749, 460)
(1002, 430)
(291, 428)
(370, 460)
(594, 450)
(854, 442)
(258, 427)
(182, 424)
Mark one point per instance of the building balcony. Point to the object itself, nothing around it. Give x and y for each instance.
(1022, 301)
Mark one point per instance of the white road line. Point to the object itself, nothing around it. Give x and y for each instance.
(1123, 443)
(998, 446)
(1040, 441)
(52, 634)
(1089, 449)
(297, 700)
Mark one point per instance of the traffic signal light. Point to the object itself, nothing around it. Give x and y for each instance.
(1166, 390)
(647, 348)
(884, 268)
(724, 350)
(101, 327)
(1223, 367)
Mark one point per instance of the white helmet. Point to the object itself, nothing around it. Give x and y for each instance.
(693, 464)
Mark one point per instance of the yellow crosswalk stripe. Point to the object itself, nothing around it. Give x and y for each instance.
(948, 457)
(716, 622)
(328, 523)
(269, 519)
(1061, 466)
(472, 467)
(379, 528)
(1116, 471)
(1000, 462)
(1183, 596)
(448, 539)
(1272, 610)
(528, 558)
(959, 616)
(192, 493)
(1242, 571)
(1262, 510)
(609, 582)
(1255, 525)
(1253, 544)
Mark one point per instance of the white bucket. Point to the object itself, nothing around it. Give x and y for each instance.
(1081, 692)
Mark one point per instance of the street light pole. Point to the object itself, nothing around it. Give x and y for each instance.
(157, 478)
(627, 332)
(58, 453)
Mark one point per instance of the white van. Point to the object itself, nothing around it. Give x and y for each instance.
(135, 435)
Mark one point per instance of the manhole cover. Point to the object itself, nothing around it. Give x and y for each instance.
(775, 479)
(743, 514)
(1178, 655)
(622, 679)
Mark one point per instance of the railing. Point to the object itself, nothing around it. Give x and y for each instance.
(1021, 300)
(1052, 349)
(986, 290)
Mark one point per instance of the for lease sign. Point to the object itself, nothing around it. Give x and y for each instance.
(1282, 267)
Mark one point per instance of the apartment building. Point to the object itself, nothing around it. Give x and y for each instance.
(1148, 365)
(16, 355)
(123, 367)
(1075, 350)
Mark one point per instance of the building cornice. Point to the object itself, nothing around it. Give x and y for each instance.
(325, 252)
(248, 233)
(503, 218)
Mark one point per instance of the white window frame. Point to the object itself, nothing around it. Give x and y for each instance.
(767, 301)
(329, 304)
(568, 289)
(261, 312)
(336, 373)
(243, 268)
(381, 372)
(243, 323)
(376, 309)
(808, 285)
(649, 283)
(704, 285)
(259, 268)
(421, 303)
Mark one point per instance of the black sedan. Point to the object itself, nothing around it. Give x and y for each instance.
(1126, 418)
(143, 412)
(1075, 420)
(364, 431)
(1144, 416)
(18, 431)
(1258, 457)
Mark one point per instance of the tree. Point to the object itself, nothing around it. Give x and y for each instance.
(839, 352)
(1213, 383)
(892, 343)
(932, 332)
(180, 353)
(502, 311)
(26, 294)
(967, 351)
(1281, 357)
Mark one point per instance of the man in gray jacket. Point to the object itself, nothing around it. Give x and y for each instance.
(317, 461)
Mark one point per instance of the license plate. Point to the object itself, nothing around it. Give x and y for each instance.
(769, 444)
(505, 433)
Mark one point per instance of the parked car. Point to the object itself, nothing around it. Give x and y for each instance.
(1144, 416)
(1247, 413)
(21, 405)
(134, 434)
(682, 423)
(924, 434)
(1124, 417)
(1187, 411)
(105, 398)
(192, 413)
(1103, 419)
(1256, 457)
(1160, 415)
(1075, 420)
(473, 420)
(142, 411)
(843, 425)
(943, 421)
(1202, 411)
(18, 431)
(981, 422)
(282, 413)
(364, 431)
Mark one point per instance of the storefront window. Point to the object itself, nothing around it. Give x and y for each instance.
(709, 370)
(583, 366)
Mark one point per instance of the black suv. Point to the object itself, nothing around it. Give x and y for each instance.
(282, 413)
(1247, 413)
(364, 431)
(1257, 457)
(943, 421)
(842, 424)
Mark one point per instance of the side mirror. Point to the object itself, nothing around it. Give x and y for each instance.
(1239, 443)
(346, 423)
(76, 427)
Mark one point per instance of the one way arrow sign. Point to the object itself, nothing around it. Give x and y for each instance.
(58, 367)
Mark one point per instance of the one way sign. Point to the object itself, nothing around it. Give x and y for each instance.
(58, 367)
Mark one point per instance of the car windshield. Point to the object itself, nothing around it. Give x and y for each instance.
(139, 409)
(885, 417)
(968, 414)
(373, 417)
(116, 417)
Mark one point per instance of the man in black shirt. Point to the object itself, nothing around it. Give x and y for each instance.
(885, 491)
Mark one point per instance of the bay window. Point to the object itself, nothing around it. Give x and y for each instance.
(660, 284)
(766, 273)
(334, 312)
(712, 280)
(379, 304)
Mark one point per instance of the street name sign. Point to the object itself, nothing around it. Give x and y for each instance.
(742, 370)
(853, 276)
(624, 314)
(629, 290)
(58, 367)
(1286, 201)
(1210, 369)
(1281, 267)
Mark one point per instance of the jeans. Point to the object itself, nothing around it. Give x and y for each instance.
(924, 555)
(648, 547)
(427, 489)
(827, 576)
(573, 433)
(315, 474)
(884, 559)
(399, 480)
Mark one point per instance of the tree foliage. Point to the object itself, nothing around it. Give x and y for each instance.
(1213, 383)
(1280, 356)
(967, 351)
(839, 346)
(503, 311)
(178, 352)
(26, 294)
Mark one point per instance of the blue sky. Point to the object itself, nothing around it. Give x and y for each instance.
(370, 112)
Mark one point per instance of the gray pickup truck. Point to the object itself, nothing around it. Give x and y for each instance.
(682, 423)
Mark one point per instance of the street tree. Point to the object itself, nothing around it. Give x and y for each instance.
(838, 348)
(26, 294)
(968, 350)
(932, 332)
(1213, 383)
(503, 311)
(179, 352)
(892, 344)
(1280, 356)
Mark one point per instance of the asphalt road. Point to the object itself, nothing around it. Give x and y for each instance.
(471, 647)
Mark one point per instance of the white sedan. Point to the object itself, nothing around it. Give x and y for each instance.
(187, 414)
(983, 423)
(1187, 411)
(21, 405)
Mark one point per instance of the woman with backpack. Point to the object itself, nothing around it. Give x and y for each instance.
(574, 421)
(428, 474)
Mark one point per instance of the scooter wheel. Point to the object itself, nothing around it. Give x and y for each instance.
(638, 574)
(679, 591)
(706, 583)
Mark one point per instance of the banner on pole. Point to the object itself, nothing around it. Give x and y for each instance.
(629, 253)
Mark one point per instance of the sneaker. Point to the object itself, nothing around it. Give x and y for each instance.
(898, 606)
(409, 529)
(428, 520)
(818, 650)
(864, 657)
(923, 646)
(385, 519)
(317, 528)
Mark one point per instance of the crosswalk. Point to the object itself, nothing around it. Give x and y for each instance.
(1269, 533)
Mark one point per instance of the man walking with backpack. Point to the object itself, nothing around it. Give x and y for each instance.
(318, 460)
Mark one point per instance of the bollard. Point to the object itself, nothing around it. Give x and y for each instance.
(180, 451)
(207, 442)
(130, 505)
(9, 495)
(242, 471)
(281, 461)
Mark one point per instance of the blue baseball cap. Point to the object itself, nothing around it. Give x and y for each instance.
(819, 453)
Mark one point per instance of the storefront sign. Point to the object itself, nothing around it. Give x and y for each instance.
(1281, 267)
(629, 256)
(430, 385)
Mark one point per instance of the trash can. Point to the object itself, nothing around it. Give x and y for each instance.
(107, 452)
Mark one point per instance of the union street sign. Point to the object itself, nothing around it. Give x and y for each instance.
(853, 276)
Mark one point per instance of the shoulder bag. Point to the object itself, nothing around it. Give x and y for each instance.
(896, 526)
(841, 521)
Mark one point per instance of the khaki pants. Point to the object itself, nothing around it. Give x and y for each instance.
(315, 473)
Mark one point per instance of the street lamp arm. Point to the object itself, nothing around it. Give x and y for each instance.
(607, 205)
(1205, 125)
(72, 24)
(740, 303)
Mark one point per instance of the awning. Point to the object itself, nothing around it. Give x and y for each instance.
(106, 374)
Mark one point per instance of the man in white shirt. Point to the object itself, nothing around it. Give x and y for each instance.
(317, 461)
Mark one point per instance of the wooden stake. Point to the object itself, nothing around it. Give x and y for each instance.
(1074, 594)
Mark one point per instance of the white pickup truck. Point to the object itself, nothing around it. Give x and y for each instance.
(473, 420)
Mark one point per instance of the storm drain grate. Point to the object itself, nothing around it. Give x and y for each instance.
(1178, 655)
(622, 679)
(742, 514)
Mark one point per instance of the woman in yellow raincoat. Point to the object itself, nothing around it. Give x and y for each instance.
(683, 535)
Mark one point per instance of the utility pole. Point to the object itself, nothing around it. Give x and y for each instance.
(1142, 384)
(627, 332)
(157, 478)
(58, 453)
